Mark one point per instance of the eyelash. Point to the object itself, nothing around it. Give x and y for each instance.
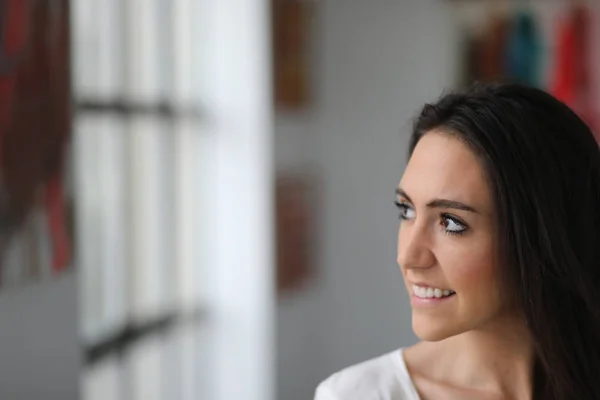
(444, 216)
(402, 207)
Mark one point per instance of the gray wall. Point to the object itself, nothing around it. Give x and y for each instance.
(39, 342)
(376, 62)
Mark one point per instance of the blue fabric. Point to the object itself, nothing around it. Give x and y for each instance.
(524, 50)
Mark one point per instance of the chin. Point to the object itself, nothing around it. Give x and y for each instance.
(434, 329)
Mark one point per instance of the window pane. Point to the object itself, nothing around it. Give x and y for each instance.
(142, 370)
(98, 48)
(103, 381)
(101, 225)
(111, 150)
(180, 364)
(186, 145)
(149, 183)
(183, 47)
(144, 62)
(88, 225)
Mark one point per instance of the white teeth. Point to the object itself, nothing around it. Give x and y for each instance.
(429, 293)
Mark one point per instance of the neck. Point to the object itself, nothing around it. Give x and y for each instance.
(498, 358)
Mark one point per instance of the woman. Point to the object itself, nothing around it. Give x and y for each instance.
(499, 247)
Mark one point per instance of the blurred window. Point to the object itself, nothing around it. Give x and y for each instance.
(136, 135)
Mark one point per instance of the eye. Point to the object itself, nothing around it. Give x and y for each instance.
(452, 225)
(406, 211)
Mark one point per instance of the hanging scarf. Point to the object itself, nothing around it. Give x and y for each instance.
(35, 115)
(572, 79)
(523, 50)
(492, 50)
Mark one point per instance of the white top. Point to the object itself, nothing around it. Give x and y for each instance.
(382, 378)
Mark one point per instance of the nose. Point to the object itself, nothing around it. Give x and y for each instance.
(414, 247)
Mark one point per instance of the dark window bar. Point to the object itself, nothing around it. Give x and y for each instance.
(121, 341)
(128, 108)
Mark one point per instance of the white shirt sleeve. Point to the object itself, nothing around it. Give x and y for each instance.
(382, 378)
(324, 393)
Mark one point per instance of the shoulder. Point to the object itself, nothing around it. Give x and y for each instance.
(381, 378)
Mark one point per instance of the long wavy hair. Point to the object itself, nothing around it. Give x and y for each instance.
(543, 166)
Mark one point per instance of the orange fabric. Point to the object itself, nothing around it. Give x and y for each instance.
(492, 50)
(293, 229)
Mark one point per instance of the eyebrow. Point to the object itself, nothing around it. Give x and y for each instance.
(441, 203)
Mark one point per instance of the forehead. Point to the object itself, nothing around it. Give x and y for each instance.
(443, 167)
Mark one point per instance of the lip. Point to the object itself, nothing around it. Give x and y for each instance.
(434, 301)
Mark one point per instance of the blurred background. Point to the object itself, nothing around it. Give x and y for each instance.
(196, 196)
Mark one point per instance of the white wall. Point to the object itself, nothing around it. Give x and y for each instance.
(39, 341)
(376, 63)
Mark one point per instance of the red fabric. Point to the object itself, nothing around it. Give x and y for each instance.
(572, 80)
(17, 25)
(35, 111)
(55, 207)
(564, 80)
(17, 15)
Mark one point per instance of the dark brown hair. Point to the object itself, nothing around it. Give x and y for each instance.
(543, 165)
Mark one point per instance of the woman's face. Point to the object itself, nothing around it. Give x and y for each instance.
(446, 241)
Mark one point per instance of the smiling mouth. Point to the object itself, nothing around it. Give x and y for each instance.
(423, 292)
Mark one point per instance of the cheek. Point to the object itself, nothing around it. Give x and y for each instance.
(403, 238)
(470, 269)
